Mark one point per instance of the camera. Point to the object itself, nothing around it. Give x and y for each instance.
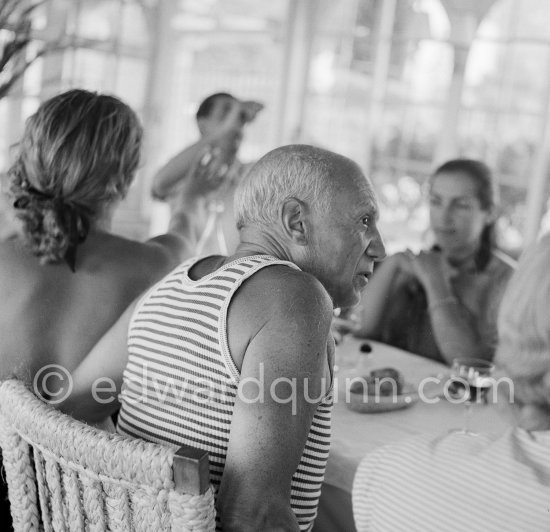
(249, 110)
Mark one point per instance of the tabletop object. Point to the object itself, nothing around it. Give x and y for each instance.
(354, 434)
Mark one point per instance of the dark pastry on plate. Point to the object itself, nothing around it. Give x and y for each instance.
(383, 382)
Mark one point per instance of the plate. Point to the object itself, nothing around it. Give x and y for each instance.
(373, 404)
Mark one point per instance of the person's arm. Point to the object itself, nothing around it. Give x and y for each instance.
(455, 328)
(97, 381)
(207, 174)
(268, 436)
(376, 297)
(182, 164)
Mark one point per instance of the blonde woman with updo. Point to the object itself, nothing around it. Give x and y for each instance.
(65, 279)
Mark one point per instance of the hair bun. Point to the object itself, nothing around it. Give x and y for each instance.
(53, 226)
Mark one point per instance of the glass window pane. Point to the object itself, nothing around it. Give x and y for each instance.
(131, 82)
(99, 19)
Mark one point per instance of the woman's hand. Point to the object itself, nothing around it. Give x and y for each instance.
(432, 270)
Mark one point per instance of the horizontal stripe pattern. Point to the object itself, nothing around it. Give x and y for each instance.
(482, 483)
(180, 383)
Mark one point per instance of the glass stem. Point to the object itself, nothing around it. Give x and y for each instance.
(467, 416)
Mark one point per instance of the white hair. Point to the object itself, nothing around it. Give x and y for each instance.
(524, 326)
(299, 171)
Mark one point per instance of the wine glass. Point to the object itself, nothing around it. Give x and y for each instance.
(470, 381)
(344, 323)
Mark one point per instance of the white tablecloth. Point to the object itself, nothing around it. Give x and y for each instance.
(355, 434)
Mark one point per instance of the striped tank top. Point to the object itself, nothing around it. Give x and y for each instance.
(180, 383)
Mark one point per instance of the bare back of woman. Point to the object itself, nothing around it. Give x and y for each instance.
(65, 279)
(50, 315)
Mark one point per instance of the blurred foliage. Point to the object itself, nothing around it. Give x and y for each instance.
(15, 37)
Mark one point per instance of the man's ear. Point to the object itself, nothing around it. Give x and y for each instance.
(294, 220)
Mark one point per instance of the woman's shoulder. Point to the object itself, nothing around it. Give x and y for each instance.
(102, 253)
(498, 273)
(143, 258)
(16, 258)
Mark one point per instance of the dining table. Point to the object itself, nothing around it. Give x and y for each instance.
(354, 434)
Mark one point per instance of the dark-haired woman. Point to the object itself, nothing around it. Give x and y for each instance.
(443, 303)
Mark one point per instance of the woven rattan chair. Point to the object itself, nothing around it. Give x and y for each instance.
(64, 475)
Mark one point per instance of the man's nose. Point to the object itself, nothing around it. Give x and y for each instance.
(376, 250)
(445, 214)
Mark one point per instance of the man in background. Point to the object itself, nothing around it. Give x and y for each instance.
(221, 119)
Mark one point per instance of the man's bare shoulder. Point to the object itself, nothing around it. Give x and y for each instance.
(280, 287)
(279, 307)
(279, 296)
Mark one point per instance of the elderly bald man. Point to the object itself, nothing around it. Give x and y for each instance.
(241, 345)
